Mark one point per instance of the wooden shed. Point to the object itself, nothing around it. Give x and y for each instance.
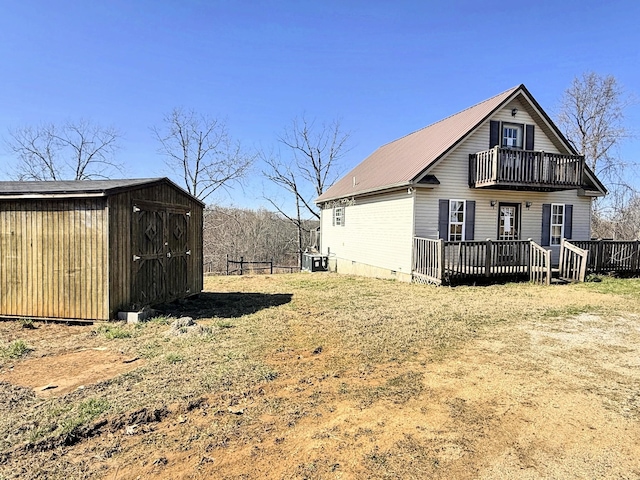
(85, 250)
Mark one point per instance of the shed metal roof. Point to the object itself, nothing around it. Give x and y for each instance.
(77, 188)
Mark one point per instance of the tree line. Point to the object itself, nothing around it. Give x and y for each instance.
(306, 161)
(256, 235)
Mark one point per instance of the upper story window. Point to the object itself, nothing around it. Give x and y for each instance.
(338, 216)
(511, 135)
(557, 223)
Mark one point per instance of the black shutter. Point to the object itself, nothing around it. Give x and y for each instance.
(443, 219)
(568, 221)
(529, 137)
(470, 220)
(494, 133)
(546, 225)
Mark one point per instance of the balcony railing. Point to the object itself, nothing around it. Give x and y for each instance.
(525, 169)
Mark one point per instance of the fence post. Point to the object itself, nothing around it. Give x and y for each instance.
(487, 257)
(241, 266)
(227, 264)
(271, 264)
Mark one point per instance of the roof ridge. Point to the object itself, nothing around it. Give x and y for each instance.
(509, 90)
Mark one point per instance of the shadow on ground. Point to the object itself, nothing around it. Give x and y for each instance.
(223, 305)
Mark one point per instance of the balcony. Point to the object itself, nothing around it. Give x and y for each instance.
(504, 168)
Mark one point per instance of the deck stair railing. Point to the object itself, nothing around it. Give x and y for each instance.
(573, 262)
(540, 264)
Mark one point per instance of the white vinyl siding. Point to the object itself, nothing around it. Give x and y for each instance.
(379, 232)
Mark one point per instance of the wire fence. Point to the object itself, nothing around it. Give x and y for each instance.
(246, 267)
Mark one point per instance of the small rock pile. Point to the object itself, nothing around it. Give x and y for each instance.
(184, 326)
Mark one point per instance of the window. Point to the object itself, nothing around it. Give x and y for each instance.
(456, 220)
(557, 223)
(511, 135)
(338, 216)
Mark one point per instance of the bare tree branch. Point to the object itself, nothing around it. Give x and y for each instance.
(591, 116)
(312, 167)
(202, 151)
(74, 151)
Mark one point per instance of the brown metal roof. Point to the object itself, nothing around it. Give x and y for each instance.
(399, 163)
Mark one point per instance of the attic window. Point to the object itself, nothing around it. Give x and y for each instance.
(511, 135)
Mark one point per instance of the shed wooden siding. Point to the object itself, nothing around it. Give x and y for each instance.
(377, 231)
(120, 238)
(452, 172)
(54, 258)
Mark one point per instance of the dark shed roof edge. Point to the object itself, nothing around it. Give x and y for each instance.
(80, 188)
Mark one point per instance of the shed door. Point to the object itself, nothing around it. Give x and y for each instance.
(160, 253)
(177, 254)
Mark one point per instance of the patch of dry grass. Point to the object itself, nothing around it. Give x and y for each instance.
(302, 329)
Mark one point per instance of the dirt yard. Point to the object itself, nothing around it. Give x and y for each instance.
(300, 376)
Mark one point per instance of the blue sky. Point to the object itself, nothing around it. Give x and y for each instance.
(384, 68)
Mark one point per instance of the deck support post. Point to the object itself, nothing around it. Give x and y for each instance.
(548, 264)
(599, 255)
(635, 258)
(441, 253)
(487, 258)
(561, 259)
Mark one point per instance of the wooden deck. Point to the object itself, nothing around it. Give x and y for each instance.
(442, 262)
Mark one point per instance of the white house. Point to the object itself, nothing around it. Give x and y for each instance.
(499, 170)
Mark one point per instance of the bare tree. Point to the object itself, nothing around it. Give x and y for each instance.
(202, 152)
(591, 115)
(78, 150)
(310, 168)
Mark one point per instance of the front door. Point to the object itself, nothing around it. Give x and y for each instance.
(509, 222)
(508, 230)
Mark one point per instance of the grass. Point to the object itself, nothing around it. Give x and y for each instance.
(15, 350)
(333, 341)
(82, 414)
(112, 332)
